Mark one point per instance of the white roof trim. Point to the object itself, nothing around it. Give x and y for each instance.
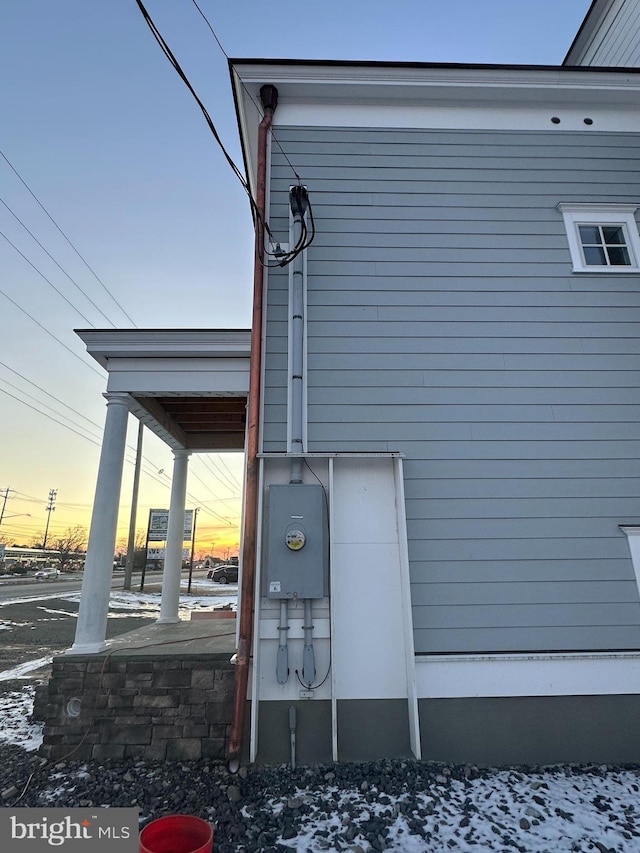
(311, 94)
(105, 344)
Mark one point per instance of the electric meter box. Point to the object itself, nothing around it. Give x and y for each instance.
(297, 552)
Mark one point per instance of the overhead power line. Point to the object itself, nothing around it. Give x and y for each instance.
(51, 335)
(248, 93)
(61, 268)
(43, 276)
(149, 469)
(282, 257)
(218, 475)
(50, 217)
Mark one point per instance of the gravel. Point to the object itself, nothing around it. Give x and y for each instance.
(404, 806)
(399, 805)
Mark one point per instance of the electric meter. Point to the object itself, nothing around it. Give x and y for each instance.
(295, 539)
(296, 553)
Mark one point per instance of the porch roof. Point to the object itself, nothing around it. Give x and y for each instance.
(188, 386)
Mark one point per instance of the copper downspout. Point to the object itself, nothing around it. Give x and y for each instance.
(269, 98)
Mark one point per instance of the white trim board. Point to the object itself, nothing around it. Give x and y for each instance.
(442, 117)
(570, 674)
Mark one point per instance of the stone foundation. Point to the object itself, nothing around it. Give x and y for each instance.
(158, 708)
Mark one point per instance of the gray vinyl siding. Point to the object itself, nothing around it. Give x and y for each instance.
(444, 322)
(616, 42)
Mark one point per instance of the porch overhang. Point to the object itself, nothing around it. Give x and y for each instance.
(188, 386)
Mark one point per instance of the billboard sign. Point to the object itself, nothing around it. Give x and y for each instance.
(159, 521)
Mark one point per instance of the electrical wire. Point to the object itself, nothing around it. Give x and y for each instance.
(208, 487)
(43, 276)
(304, 240)
(178, 69)
(206, 508)
(283, 257)
(326, 501)
(248, 93)
(66, 425)
(224, 465)
(41, 404)
(51, 335)
(313, 686)
(50, 417)
(64, 404)
(95, 440)
(219, 474)
(61, 268)
(50, 217)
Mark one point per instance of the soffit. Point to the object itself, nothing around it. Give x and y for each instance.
(188, 386)
(205, 424)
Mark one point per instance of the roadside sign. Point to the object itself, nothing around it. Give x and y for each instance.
(159, 521)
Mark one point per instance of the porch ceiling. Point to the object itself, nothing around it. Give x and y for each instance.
(199, 423)
(188, 386)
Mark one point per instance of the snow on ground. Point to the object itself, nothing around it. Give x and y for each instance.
(550, 811)
(554, 810)
(15, 726)
(16, 706)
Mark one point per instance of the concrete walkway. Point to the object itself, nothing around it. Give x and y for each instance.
(215, 638)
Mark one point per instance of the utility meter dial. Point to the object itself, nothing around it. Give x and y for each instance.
(295, 538)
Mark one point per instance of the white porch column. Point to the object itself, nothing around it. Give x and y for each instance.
(98, 570)
(175, 539)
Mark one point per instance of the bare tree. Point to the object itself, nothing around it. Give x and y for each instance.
(70, 544)
(139, 548)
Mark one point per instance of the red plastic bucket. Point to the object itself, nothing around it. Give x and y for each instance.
(180, 833)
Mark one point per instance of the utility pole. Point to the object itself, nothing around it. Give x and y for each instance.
(4, 502)
(193, 545)
(51, 507)
(131, 544)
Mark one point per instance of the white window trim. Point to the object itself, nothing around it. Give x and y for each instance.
(575, 214)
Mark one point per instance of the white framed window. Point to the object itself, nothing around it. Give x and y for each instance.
(602, 237)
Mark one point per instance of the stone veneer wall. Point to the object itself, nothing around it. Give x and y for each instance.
(140, 707)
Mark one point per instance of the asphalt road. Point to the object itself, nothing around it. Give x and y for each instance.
(36, 621)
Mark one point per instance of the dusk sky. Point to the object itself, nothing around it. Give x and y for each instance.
(111, 143)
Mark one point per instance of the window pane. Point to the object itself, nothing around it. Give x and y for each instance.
(613, 235)
(594, 256)
(618, 256)
(590, 234)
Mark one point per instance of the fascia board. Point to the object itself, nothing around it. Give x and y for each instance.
(105, 344)
(248, 116)
(309, 83)
(379, 82)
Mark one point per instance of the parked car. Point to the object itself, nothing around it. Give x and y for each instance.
(48, 573)
(224, 574)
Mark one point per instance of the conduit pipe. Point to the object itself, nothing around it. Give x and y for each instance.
(298, 201)
(269, 99)
(298, 204)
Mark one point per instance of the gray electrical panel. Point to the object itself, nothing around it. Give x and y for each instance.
(297, 553)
